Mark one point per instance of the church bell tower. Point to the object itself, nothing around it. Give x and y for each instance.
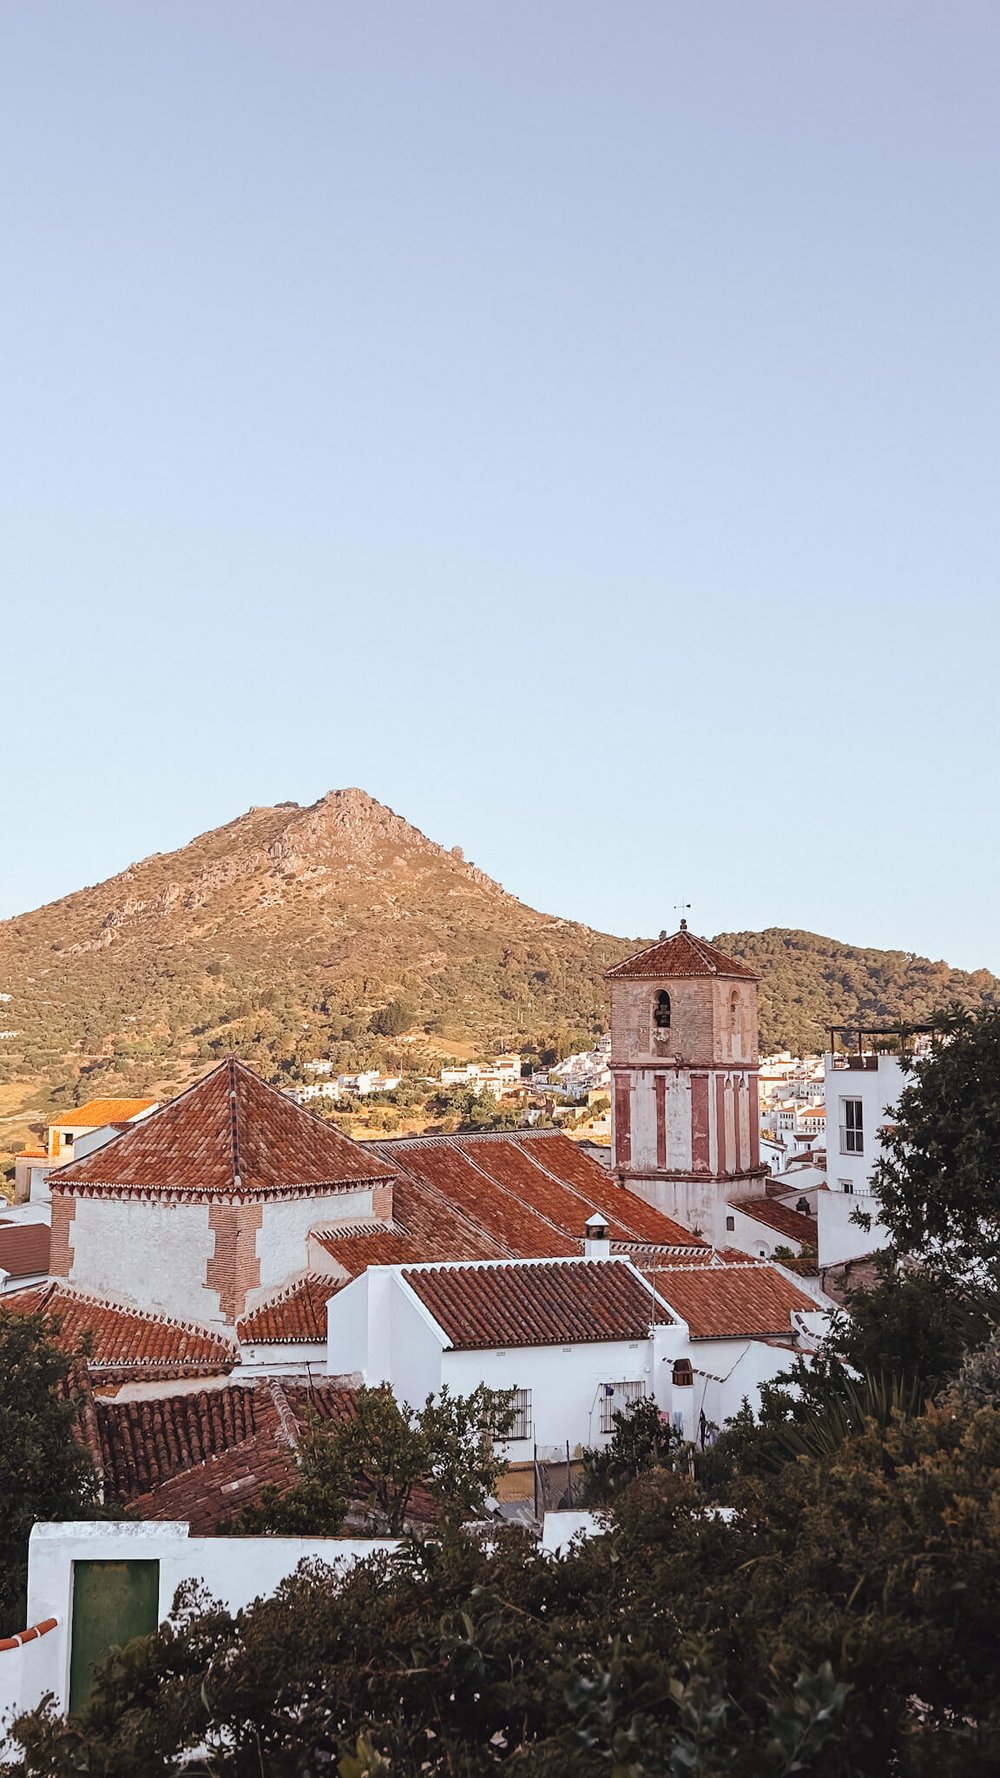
(684, 1062)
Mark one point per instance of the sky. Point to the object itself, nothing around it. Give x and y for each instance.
(575, 424)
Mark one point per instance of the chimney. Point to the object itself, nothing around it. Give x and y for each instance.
(596, 1243)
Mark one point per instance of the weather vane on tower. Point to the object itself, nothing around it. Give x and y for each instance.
(682, 908)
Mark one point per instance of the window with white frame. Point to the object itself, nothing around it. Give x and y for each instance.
(852, 1136)
(621, 1396)
(521, 1422)
(846, 1185)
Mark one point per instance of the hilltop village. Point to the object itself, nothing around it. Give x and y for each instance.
(234, 1266)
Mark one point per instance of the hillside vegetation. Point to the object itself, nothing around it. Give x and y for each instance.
(808, 983)
(340, 929)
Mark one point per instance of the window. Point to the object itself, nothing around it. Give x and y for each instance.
(661, 1011)
(521, 1423)
(615, 1397)
(846, 1185)
(852, 1138)
(730, 1224)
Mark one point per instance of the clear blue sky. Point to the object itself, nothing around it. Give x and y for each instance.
(575, 423)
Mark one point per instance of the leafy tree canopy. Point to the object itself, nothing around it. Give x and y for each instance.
(375, 1460)
(939, 1178)
(45, 1469)
(840, 1623)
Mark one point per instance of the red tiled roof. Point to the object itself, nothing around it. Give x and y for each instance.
(682, 955)
(731, 1301)
(442, 1167)
(98, 1112)
(24, 1248)
(773, 1215)
(535, 1305)
(204, 1457)
(123, 1340)
(529, 1195)
(297, 1313)
(228, 1136)
(143, 1443)
(629, 1217)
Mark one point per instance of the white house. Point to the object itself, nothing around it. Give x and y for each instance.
(576, 1338)
(861, 1088)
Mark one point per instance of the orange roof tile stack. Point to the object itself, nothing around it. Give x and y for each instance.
(535, 1305)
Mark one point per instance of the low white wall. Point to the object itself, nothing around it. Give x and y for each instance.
(23, 1680)
(235, 1570)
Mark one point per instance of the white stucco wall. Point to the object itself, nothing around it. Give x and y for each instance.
(840, 1238)
(235, 1570)
(878, 1089)
(283, 1236)
(564, 1382)
(154, 1255)
(755, 1237)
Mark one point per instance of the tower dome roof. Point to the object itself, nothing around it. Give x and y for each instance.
(684, 954)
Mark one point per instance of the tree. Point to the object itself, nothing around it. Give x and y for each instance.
(385, 1451)
(840, 1623)
(938, 1180)
(45, 1469)
(642, 1439)
(393, 1019)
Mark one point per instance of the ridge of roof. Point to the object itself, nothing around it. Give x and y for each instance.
(682, 954)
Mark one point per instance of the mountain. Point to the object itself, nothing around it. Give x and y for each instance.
(289, 931)
(287, 916)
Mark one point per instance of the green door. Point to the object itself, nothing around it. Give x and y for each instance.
(112, 1602)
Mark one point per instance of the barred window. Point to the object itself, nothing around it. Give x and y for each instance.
(621, 1396)
(521, 1423)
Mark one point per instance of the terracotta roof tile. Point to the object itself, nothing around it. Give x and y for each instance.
(535, 1305)
(202, 1457)
(528, 1196)
(24, 1248)
(228, 1136)
(682, 955)
(98, 1112)
(295, 1313)
(721, 1302)
(143, 1443)
(794, 1223)
(629, 1217)
(125, 1341)
(441, 1167)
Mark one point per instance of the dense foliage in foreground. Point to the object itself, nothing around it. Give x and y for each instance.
(841, 1621)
